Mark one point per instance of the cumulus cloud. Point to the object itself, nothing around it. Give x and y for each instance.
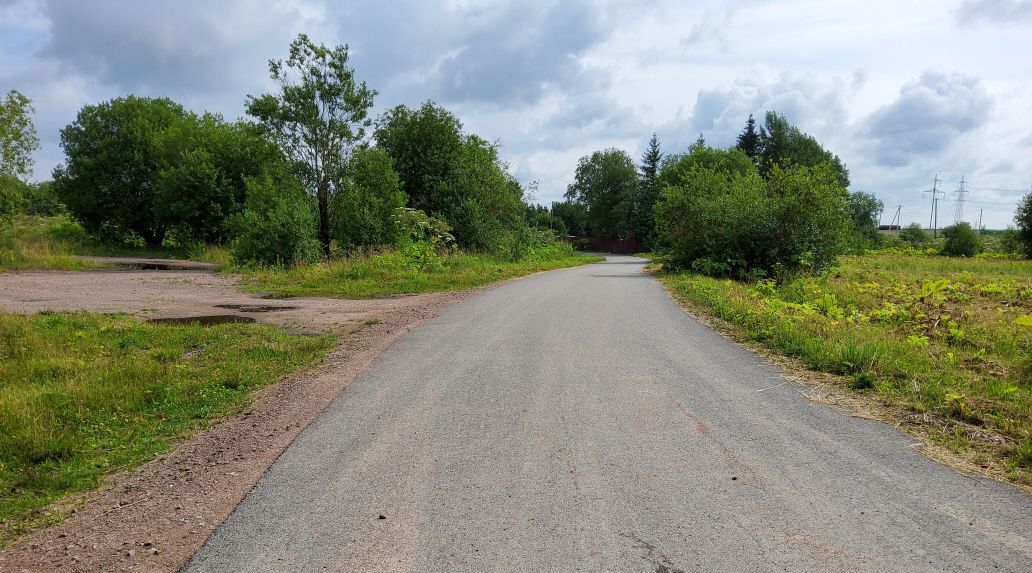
(994, 11)
(927, 117)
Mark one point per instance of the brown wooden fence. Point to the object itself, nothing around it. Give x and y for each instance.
(615, 246)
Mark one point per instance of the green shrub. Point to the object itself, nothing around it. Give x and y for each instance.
(961, 241)
(278, 225)
(362, 212)
(914, 235)
(425, 241)
(1023, 220)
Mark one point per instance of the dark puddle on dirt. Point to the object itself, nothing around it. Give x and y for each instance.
(256, 307)
(158, 267)
(206, 320)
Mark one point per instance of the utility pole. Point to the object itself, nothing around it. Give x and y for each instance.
(895, 218)
(961, 193)
(933, 218)
(980, 221)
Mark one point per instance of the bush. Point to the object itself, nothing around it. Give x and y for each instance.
(278, 224)
(1023, 220)
(914, 235)
(12, 193)
(961, 241)
(425, 240)
(732, 222)
(363, 211)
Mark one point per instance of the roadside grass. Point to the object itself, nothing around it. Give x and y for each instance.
(84, 395)
(947, 337)
(56, 243)
(390, 273)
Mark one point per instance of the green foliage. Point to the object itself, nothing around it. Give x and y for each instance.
(726, 220)
(112, 165)
(18, 138)
(426, 241)
(782, 143)
(363, 212)
(574, 217)
(914, 235)
(749, 140)
(1023, 220)
(643, 222)
(452, 175)
(606, 183)
(863, 218)
(676, 169)
(12, 194)
(278, 224)
(85, 395)
(320, 113)
(961, 241)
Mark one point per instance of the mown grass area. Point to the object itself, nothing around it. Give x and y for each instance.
(84, 395)
(390, 273)
(950, 337)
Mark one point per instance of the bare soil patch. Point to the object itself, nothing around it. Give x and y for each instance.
(154, 518)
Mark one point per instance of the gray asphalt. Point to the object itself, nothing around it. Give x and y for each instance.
(578, 420)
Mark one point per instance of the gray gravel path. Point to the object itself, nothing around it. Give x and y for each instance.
(579, 421)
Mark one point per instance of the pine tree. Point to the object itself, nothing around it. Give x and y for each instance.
(749, 139)
(648, 191)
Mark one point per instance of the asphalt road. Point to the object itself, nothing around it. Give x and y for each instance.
(580, 421)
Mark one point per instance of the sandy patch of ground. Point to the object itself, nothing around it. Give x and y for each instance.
(182, 293)
(156, 517)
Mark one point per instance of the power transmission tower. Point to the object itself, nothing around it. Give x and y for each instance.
(961, 193)
(933, 218)
(980, 211)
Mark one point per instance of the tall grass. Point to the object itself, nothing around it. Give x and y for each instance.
(83, 395)
(389, 272)
(30, 242)
(947, 336)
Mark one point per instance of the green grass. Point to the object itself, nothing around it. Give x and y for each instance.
(946, 336)
(85, 395)
(388, 273)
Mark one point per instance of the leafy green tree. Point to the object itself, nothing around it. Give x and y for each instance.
(320, 113)
(677, 168)
(489, 199)
(605, 183)
(749, 139)
(723, 218)
(18, 138)
(1023, 221)
(574, 217)
(648, 192)
(914, 235)
(425, 145)
(12, 193)
(863, 215)
(781, 143)
(278, 223)
(961, 241)
(108, 181)
(364, 214)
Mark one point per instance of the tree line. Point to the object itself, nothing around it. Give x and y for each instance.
(307, 174)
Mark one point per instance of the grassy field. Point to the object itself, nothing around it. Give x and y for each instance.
(948, 337)
(388, 273)
(84, 395)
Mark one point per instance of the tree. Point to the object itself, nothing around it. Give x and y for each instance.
(1023, 221)
(863, 215)
(364, 214)
(18, 139)
(961, 241)
(108, 181)
(424, 145)
(605, 183)
(574, 217)
(723, 218)
(781, 143)
(648, 192)
(318, 116)
(278, 223)
(749, 139)
(914, 235)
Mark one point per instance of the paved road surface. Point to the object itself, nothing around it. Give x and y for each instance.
(579, 421)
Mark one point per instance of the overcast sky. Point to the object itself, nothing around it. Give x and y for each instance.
(901, 90)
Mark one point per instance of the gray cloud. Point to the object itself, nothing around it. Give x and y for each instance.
(994, 11)
(929, 114)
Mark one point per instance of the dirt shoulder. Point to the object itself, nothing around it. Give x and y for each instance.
(155, 517)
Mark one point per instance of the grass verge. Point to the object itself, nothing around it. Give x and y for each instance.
(84, 395)
(389, 273)
(949, 338)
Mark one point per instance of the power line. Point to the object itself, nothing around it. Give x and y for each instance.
(933, 218)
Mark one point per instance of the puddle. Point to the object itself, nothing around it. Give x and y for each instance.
(206, 320)
(256, 307)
